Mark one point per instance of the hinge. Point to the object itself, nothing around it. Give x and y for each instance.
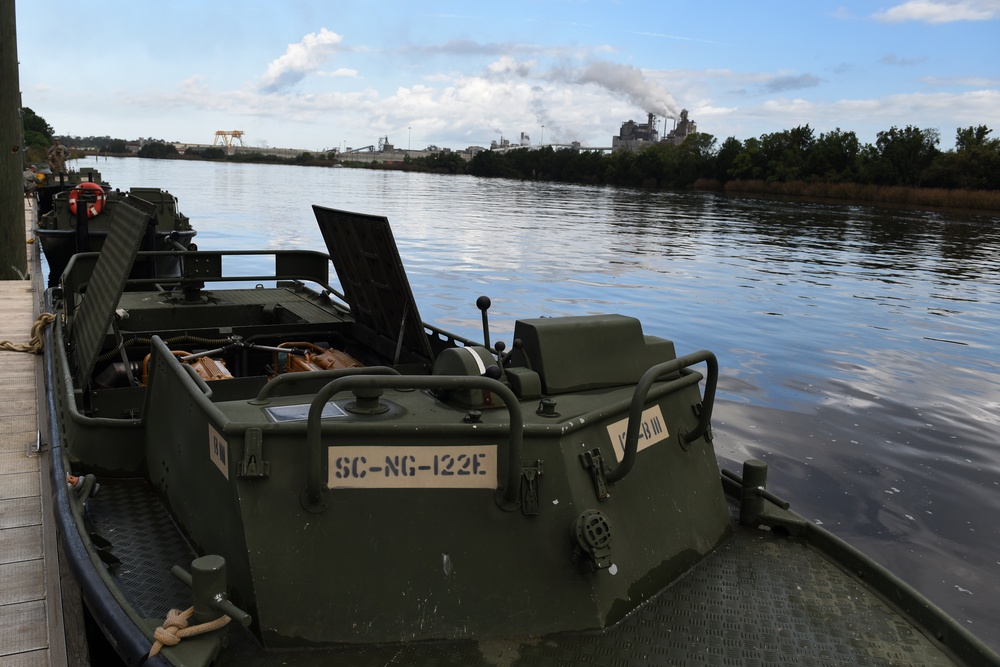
(594, 463)
(253, 464)
(529, 487)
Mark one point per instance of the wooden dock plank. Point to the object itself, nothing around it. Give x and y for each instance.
(20, 544)
(18, 423)
(21, 405)
(31, 621)
(39, 658)
(23, 581)
(19, 485)
(23, 631)
(12, 462)
(22, 444)
(20, 512)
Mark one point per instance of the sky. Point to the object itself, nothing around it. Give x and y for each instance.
(323, 74)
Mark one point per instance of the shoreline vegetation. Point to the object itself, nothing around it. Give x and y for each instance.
(979, 201)
(897, 196)
(903, 168)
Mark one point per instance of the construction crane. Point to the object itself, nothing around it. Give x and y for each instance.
(227, 137)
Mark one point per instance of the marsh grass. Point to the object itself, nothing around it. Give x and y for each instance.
(978, 200)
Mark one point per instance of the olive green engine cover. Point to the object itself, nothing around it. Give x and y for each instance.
(383, 561)
(587, 352)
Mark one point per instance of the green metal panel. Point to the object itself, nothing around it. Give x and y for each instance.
(577, 353)
(425, 563)
(371, 272)
(105, 288)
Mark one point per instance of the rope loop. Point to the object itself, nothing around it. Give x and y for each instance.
(37, 344)
(175, 628)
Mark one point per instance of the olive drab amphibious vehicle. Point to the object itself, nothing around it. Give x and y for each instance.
(313, 476)
(48, 185)
(79, 215)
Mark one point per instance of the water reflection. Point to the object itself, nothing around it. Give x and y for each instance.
(857, 344)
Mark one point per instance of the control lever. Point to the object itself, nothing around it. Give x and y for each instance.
(483, 303)
(505, 358)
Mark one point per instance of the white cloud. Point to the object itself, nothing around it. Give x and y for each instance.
(791, 82)
(784, 106)
(972, 82)
(300, 59)
(941, 11)
(507, 65)
(341, 72)
(943, 111)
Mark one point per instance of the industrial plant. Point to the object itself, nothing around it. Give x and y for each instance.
(635, 136)
(632, 136)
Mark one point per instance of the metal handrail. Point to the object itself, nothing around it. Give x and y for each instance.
(314, 446)
(639, 402)
(264, 395)
(83, 263)
(198, 380)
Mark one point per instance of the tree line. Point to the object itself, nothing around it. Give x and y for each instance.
(907, 157)
(38, 136)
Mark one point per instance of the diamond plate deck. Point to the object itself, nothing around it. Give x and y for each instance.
(760, 599)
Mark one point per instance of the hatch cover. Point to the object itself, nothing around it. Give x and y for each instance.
(105, 288)
(375, 286)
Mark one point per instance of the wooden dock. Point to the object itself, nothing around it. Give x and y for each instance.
(31, 607)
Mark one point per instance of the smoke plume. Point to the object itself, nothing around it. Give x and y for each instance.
(630, 81)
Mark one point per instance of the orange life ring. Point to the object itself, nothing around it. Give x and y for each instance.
(94, 207)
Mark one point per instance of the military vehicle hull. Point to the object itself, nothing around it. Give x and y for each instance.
(63, 232)
(49, 184)
(353, 486)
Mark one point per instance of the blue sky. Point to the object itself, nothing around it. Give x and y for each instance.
(317, 74)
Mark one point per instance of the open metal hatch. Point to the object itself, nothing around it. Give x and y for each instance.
(367, 261)
(104, 290)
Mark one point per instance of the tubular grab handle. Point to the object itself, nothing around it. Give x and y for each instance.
(639, 401)
(198, 380)
(264, 395)
(507, 495)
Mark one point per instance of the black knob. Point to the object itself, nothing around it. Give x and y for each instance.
(483, 303)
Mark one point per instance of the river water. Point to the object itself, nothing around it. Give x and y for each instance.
(857, 345)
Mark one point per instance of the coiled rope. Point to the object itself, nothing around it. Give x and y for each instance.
(175, 628)
(36, 345)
